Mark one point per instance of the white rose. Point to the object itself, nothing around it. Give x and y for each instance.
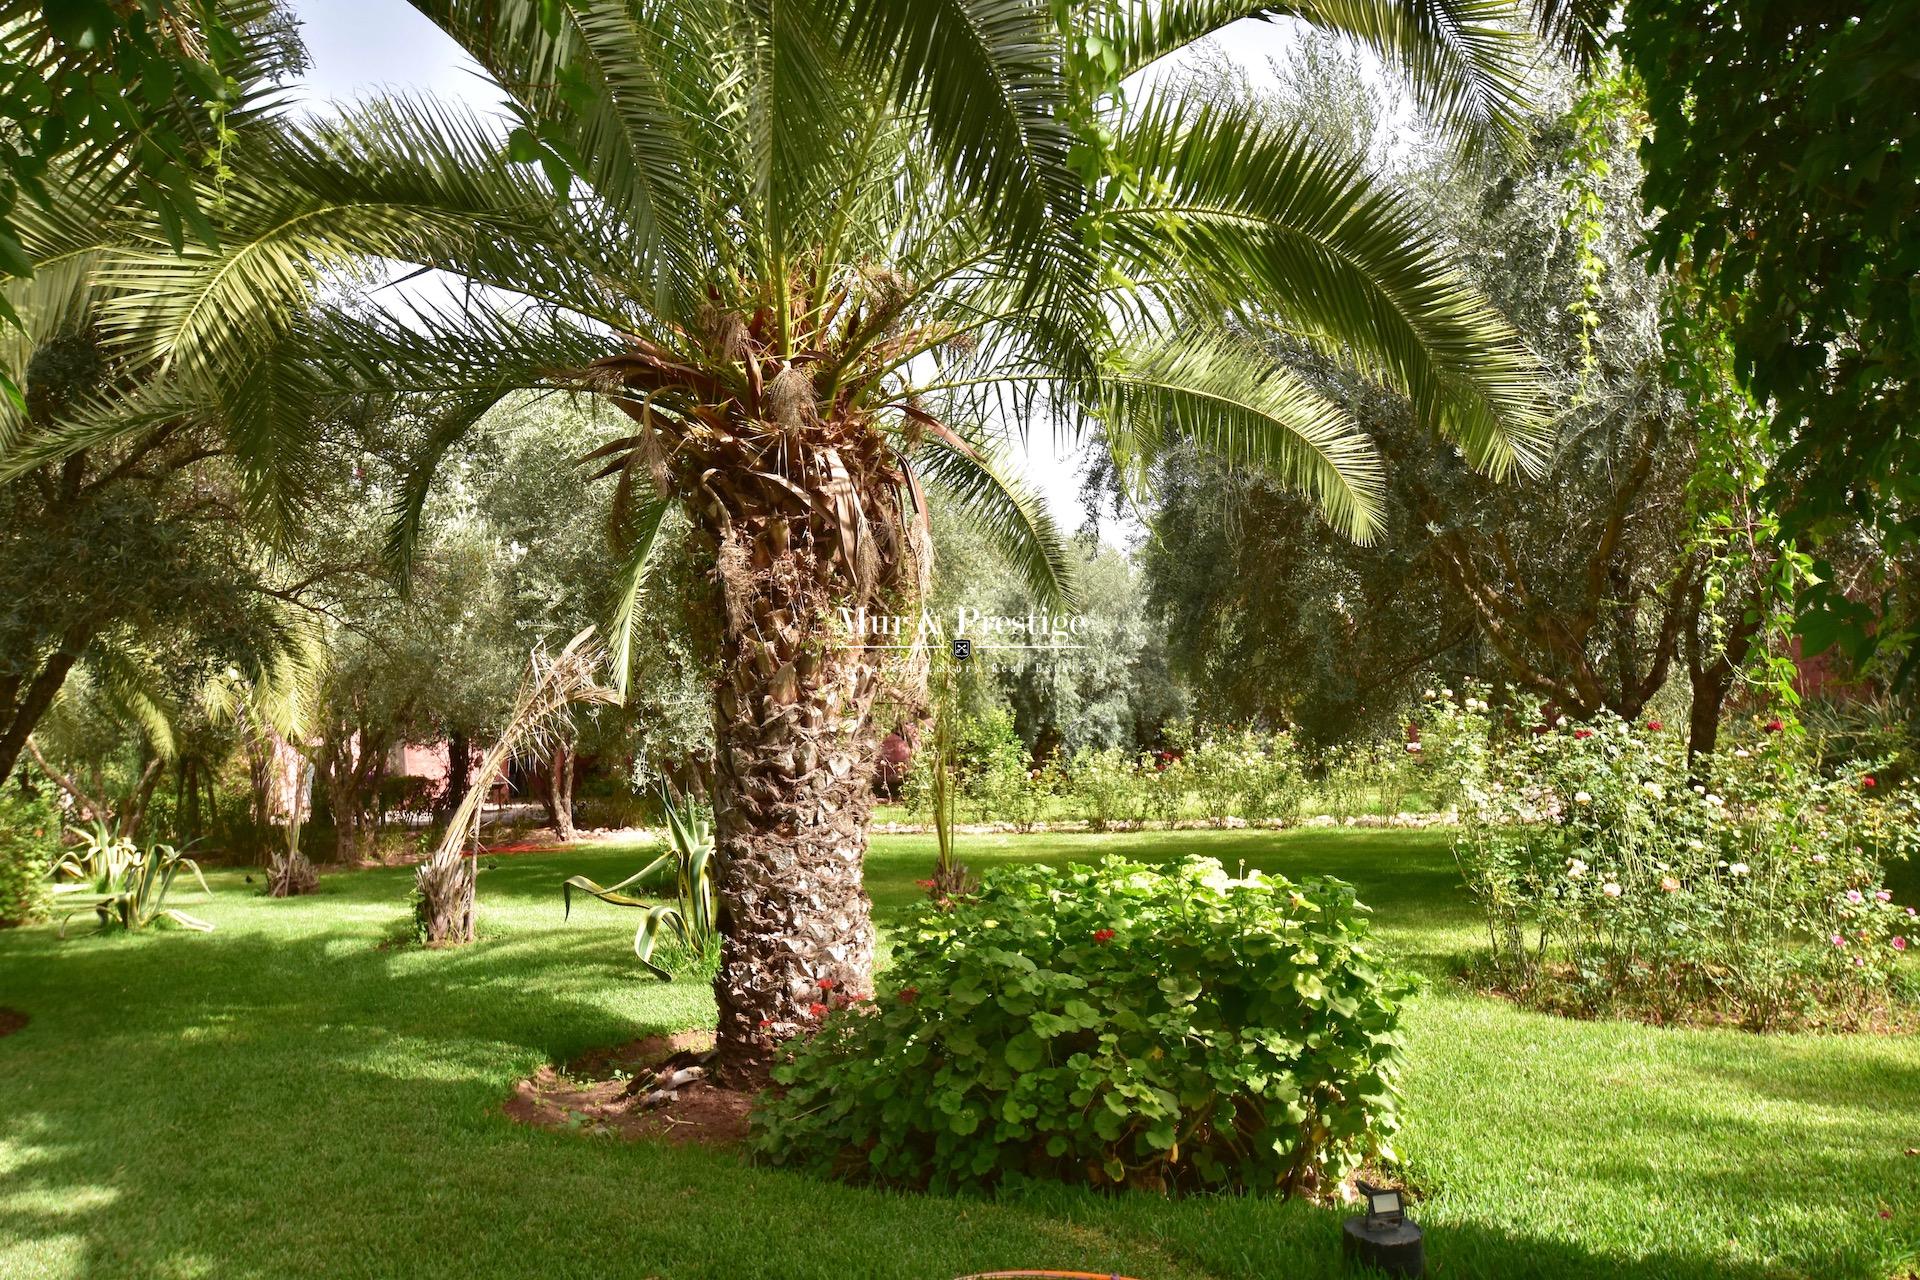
(1576, 869)
(1654, 789)
(1739, 869)
(1611, 889)
(1581, 797)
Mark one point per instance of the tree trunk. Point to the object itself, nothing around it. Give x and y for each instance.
(459, 769)
(24, 715)
(559, 793)
(792, 791)
(136, 811)
(443, 909)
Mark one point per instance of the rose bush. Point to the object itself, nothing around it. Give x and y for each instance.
(1618, 877)
(1119, 1025)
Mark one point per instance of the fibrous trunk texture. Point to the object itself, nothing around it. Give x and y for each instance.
(793, 775)
(559, 793)
(443, 904)
(290, 874)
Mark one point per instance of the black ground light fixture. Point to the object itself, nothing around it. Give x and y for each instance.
(1383, 1238)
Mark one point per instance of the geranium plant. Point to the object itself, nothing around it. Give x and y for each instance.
(1119, 1025)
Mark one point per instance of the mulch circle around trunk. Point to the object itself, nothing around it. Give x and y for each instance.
(11, 1020)
(651, 1088)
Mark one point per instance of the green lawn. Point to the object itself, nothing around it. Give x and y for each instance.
(289, 1097)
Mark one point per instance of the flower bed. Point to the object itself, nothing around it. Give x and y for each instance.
(1618, 878)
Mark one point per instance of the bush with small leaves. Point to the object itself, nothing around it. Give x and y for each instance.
(29, 844)
(1618, 876)
(1106, 788)
(1163, 1028)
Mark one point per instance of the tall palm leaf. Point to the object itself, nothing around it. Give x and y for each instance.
(819, 251)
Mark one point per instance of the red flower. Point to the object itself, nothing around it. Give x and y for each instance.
(1583, 733)
(1775, 725)
(924, 884)
(1868, 781)
(909, 994)
(1654, 726)
(826, 984)
(816, 1010)
(1103, 936)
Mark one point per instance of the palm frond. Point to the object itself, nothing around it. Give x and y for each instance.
(409, 180)
(1013, 518)
(1287, 233)
(641, 533)
(610, 79)
(985, 75)
(1234, 402)
(1466, 60)
(553, 683)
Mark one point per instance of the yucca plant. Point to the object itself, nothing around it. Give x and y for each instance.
(133, 891)
(693, 915)
(823, 256)
(553, 684)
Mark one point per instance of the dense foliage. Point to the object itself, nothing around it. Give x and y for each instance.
(1593, 585)
(1781, 164)
(29, 844)
(1619, 877)
(1220, 777)
(1118, 1025)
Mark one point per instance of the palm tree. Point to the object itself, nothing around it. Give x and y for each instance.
(820, 254)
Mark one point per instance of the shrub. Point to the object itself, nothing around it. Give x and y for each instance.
(1106, 788)
(998, 779)
(1617, 877)
(29, 845)
(1125, 1025)
(1241, 774)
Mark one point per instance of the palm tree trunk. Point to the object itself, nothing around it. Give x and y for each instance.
(559, 793)
(792, 778)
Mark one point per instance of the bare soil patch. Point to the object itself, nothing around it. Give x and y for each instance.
(652, 1088)
(11, 1020)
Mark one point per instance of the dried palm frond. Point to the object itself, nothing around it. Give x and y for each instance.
(554, 683)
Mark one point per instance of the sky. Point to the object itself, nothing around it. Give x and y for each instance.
(361, 48)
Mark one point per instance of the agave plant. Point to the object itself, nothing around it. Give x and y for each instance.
(693, 915)
(98, 864)
(133, 892)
